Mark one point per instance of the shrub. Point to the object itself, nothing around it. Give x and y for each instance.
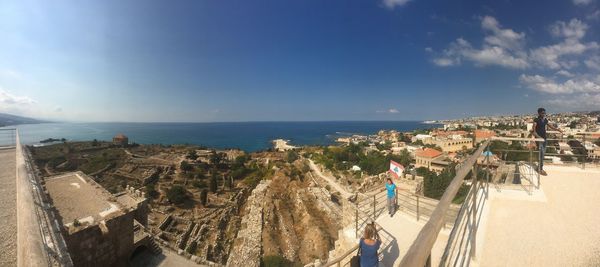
(191, 248)
(151, 191)
(186, 167)
(276, 261)
(176, 194)
(291, 156)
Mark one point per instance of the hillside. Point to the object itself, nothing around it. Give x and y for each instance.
(8, 119)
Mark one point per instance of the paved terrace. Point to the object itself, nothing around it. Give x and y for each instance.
(8, 207)
(93, 203)
(558, 225)
(404, 228)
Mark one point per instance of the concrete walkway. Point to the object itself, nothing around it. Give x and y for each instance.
(8, 208)
(558, 225)
(401, 230)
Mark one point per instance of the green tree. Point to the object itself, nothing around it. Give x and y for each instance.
(204, 197)
(176, 194)
(186, 167)
(192, 154)
(216, 158)
(213, 183)
(291, 156)
(151, 191)
(240, 161)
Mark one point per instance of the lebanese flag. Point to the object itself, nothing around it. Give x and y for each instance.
(396, 168)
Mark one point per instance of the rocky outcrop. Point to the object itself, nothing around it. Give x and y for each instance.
(301, 227)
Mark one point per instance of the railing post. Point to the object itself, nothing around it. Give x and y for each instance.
(584, 155)
(487, 172)
(396, 205)
(356, 218)
(417, 207)
(374, 204)
(474, 222)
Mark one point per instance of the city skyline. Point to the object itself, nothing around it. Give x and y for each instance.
(297, 61)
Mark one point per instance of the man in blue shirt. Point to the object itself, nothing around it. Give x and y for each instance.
(391, 196)
(539, 130)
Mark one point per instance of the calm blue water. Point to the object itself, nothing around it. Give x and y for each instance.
(249, 136)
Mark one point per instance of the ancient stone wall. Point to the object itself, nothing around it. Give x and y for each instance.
(247, 247)
(108, 243)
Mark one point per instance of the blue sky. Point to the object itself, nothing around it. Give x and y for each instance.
(297, 60)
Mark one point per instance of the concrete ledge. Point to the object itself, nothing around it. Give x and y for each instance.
(30, 245)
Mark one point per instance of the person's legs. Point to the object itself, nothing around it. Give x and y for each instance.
(542, 151)
(390, 204)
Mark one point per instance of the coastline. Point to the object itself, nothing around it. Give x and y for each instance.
(247, 136)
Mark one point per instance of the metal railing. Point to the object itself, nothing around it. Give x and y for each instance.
(479, 166)
(344, 259)
(461, 243)
(419, 253)
(8, 138)
(39, 233)
(581, 138)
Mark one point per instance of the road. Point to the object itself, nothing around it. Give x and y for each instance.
(330, 180)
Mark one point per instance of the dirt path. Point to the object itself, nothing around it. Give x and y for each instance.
(330, 180)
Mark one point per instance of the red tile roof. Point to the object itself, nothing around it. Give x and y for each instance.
(428, 153)
(484, 134)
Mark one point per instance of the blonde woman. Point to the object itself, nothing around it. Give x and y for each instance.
(369, 245)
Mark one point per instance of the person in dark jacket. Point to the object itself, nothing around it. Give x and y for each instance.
(539, 130)
(369, 245)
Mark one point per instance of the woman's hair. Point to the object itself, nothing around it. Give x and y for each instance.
(390, 180)
(370, 231)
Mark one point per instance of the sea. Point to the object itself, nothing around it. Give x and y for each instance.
(248, 136)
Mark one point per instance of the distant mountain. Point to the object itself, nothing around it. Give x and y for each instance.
(8, 119)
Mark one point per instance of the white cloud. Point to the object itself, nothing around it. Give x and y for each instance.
(506, 48)
(505, 38)
(428, 49)
(502, 47)
(394, 3)
(593, 62)
(444, 62)
(58, 109)
(594, 15)
(565, 73)
(488, 55)
(572, 32)
(582, 2)
(548, 85)
(390, 110)
(574, 29)
(10, 99)
(579, 102)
